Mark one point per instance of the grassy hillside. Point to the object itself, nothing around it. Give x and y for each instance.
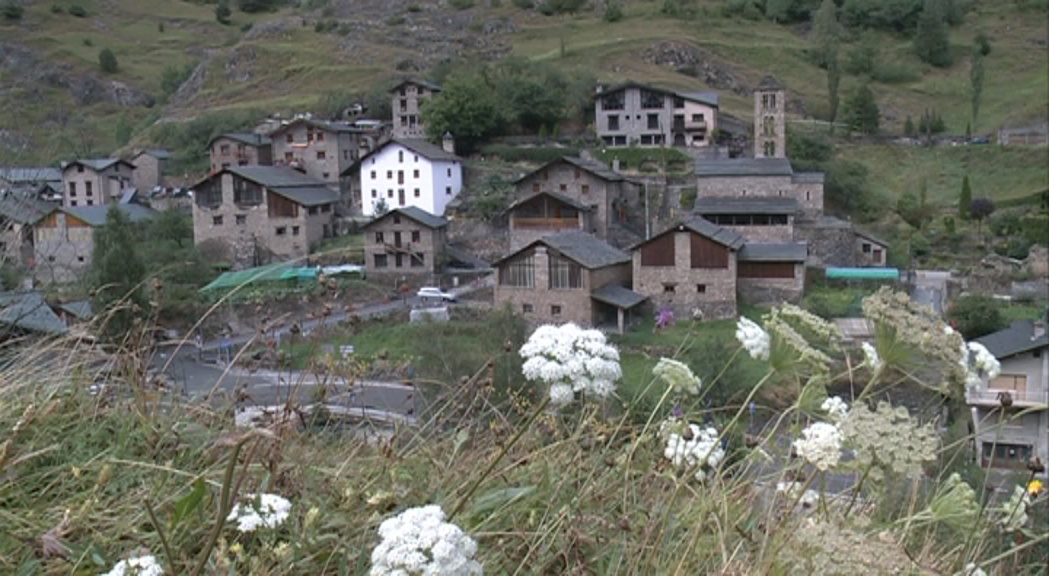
(279, 62)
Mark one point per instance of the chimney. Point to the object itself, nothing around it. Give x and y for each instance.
(448, 143)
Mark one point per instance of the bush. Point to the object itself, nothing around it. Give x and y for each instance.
(246, 27)
(77, 10)
(88, 42)
(107, 61)
(920, 247)
(222, 12)
(12, 10)
(975, 315)
(461, 4)
(613, 12)
(56, 9)
(524, 4)
(1015, 247)
(173, 77)
(253, 6)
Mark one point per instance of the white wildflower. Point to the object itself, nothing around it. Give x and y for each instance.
(1013, 513)
(979, 364)
(419, 542)
(140, 566)
(677, 375)
(570, 359)
(753, 338)
(871, 355)
(836, 408)
(268, 510)
(971, 569)
(792, 491)
(821, 445)
(691, 447)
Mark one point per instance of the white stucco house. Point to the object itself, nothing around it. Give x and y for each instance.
(407, 172)
(1009, 433)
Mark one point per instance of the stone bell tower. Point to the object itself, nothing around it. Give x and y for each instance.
(770, 122)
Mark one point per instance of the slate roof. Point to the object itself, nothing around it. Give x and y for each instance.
(707, 229)
(30, 175)
(82, 309)
(325, 125)
(1016, 339)
(586, 249)
(96, 215)
(415, 213)
(275, 176)
(249, 138)
(595, 167)
(618, 296)
(424, 83)
(708, 98)
(559, 197)
(745, 205)
(22, 208)
(780, 252)
(308, 195)
(744, 167)
(870, 237)
(422, 147)
(769, 83)
(96, 164)
(158, 153)
(29, 312)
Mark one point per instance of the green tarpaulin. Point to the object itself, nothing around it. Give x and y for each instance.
(272, 273)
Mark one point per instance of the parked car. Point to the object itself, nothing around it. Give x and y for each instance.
(433, 292)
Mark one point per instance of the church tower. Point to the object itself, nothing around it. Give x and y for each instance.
(770, 122)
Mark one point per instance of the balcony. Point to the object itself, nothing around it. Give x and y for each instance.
(992, 397)
(695, 124)
(546, 223)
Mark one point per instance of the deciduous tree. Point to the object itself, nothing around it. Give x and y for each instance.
(932, 37)
(861, 111)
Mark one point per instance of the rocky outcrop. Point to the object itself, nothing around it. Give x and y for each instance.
(27, 68)
(690, 60)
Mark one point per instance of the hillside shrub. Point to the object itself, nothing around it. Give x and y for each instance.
(223, 14)
(461, 4)
(524, 4)
(11, 10)
(107, 61)
(77, 10)
(57, 9)
(253, 6)
(613, 12)
(975, 315)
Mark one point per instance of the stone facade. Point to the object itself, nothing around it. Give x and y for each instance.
(545, 215)
(770, 120)
(870, 251)
(397, 244)
(633, 114)
(240, 150)
(807, 191)
(62, 248)
(756, 290)
(407, 100)
(541, 304)
(256, 223)
(612, 200)
(665, 270)
(323, 149)
(95, 182)
(831, 243)
(149, 169)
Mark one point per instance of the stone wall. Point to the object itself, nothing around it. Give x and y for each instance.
(226, 151)
(768, 234)
(63, 247)
(773, 290)
(569, 181)
(430, 244)
(147, 172)
(808, 195)
(718, 299)
(828, 245)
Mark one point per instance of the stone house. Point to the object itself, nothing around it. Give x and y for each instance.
(323, 149)
(757, 219)
(95, 182)
(405, 241)
(573, 193)
(18, 213)
(149, 168)
(64, 239)
(870, 251)
(403, 173)
(408, 97)
(1006, 437)
(567, 277)
(255, 215)
(28, 313)
(635, 114)
(689, 267)
(762, 178)
(771, 273)
(240, 149)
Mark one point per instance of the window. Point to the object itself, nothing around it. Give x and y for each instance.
(389, 174)
(378, 238)
(526, 308)
(50, 258)
(669, 288)
(564, 274)
(312, 211)
(325, 208)
(380, 261)
(563, 187)
(415, 173)
(535, 187)
(404, 120)
(448, 190)
(866, 248)
(294, 230)
(320, 136)
(555, 310)
(585, 189)
(389, 193)
(416, 235)
(396, 218)
(321, 155)
(373, 174)
(289, 156)
(289, 139)
(404, 105)
(398, 260)
(418, 260)
(416, 158)
(80, 168)
(653, 121)
(400, 155)
(701, 288)
(375, 193)
(613, 121)
(416, 192)
(224, 149)
(651, 100)
(72, 189)
(1006, 455)
(697, 117)
(80, 259)
(770, 149)
(679, 102)
(519, 273)
(400, 176)
(282, 230)
(613, 101)
(241, 219)
(449, 172)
